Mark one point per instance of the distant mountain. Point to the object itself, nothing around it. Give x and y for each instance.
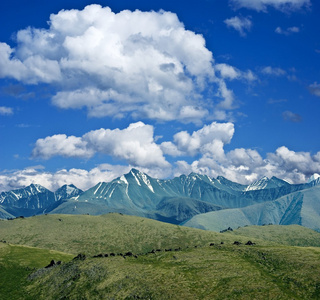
(34, 199)
(302, 208)
(135, 193)
(67, 192)
(266, 183)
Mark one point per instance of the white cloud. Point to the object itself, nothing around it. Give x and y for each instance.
(246, 165)
(287, 31)
(229, 72)
(262, 5)
(294, 29)
(273, 71)
(292, 117)
(209, 139)
(143, 64)
(240, 164)
(240, 24)
(315, 89)
(133, 144)
(137, 146)
(60, 144)
(6, 111)
(83, 179)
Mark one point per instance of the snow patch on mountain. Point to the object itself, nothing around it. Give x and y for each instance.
(147, 181)
(123, 178)
(135, 177)
(314, 177)
(258, 185)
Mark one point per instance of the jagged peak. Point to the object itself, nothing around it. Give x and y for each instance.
(279, 180)
(135, 171)
(314, 177)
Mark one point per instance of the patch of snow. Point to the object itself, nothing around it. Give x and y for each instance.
(147, 182)
(137, 180)
(17, 196)
(258, 185)
(111, 192)
(97, 188)
(209, 178)
(70, 190)
(123, 178)
(314, 177)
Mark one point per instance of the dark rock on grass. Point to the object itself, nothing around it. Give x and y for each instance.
(52, 263)
(99, 255)
(249, 243)
(80, 256)
(236, 243)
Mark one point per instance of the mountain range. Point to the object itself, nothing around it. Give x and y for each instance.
(192, 200)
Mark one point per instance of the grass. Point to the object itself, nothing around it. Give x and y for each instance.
(17, 262)
(293, 235)
(112, 232)
(218, 272)
(273, 268)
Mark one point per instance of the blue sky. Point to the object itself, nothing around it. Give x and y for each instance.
(89, 90)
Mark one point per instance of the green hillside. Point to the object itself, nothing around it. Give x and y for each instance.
(293, 235)
(184, 265)
(216, 272)
(93, 234)
(17, 262)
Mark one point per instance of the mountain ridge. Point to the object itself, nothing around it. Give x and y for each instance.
(174, 200)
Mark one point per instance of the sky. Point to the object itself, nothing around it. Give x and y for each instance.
(89, 90)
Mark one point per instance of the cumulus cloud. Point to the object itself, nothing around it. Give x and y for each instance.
(262, 5)
(6, 111)
(202, 151)
(240, 164)
(240, 24)
(247, 165)
(60, 144)
(83, 179)
(209, 139)
(229, 72)
(133, 145)
(292, 117)
(143, 64)
(315, 89)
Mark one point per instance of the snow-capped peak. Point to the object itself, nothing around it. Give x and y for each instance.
(314, 177)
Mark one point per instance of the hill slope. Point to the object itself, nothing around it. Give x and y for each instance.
(176, 269)
(92, 234)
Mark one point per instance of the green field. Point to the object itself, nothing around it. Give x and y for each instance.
(274, 268)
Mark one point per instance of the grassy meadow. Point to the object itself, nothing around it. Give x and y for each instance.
(186, 263)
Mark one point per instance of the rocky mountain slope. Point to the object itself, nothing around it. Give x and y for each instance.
(302, 208)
